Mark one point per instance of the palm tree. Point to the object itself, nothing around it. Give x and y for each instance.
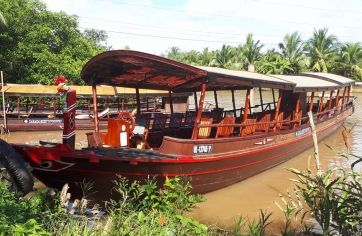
(190, 57)
(174, 53)
(250, 52)
(351, 59)
(293, 49)
(224, 57)
(322, 50)
(205, 57)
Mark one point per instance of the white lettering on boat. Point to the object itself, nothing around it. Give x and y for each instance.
(264, 141)
(302, 131)
(200, 149)
(42, 121)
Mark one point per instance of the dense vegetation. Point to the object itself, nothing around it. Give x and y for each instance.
(37, 44)
(323, 53)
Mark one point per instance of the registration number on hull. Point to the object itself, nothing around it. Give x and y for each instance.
(202, 149)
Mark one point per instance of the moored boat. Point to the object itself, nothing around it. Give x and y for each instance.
(38, 107)
(213, 149)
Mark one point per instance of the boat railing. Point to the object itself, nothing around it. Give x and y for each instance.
(290, 124)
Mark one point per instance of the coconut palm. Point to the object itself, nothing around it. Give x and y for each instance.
(293, 49)
(250, 53)
(174, 53)
(224, 57)
(351, 59)
(191, 57)
(322, 50)
(205, 57)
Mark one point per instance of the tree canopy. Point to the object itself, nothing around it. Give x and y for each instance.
(37, 44)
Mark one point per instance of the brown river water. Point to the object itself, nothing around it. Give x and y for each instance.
(253, 194)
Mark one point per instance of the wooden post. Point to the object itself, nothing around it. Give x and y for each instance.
(296, 113)
(154, 104)
(337, 102)
(199, 112)
(233, 100)
(247, 103)
(95, 107)
(89, 107)
(349, 93)
(330, 102)
(343, 100)
(171, 104)
(261, 100)
(320, 109)
(311, 103)
(274, 98)
(216, 101)
(315, 144)
(278, 104)
(18, 107)
(3, 95)
(138, 100)
(55, 106)
(27, 104)
(195, 97)
(147, 105)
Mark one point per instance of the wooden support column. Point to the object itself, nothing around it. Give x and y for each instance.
(349, 93)
(233, 100)
(199, 112)
(320, 109)
(215, 97)
(95, 107)
(343, 100)
(296, 112)
(154, 104)
(18, 107)
(171, 104)
(337, 102)
(195, 97)
(247, 104)
(330, 103)
(27, 104)
(147, 106)
(278, 104)
(274, 98)
(261, 100)
(138, 101)
(311, 102)
(55, 106)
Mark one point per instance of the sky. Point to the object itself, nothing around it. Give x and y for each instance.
(154, 26)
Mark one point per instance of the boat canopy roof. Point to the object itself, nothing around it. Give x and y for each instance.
(310, 83)
(146, 71)
(137, 69)
(38, 90)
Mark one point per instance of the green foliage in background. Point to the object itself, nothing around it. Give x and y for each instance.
(37, 44)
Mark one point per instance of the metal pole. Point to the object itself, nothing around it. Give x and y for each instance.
(3, 94)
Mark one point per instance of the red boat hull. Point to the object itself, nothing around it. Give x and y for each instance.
(232, 160)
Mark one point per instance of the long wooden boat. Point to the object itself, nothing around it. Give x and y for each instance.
(212, 149)
(38, 107)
